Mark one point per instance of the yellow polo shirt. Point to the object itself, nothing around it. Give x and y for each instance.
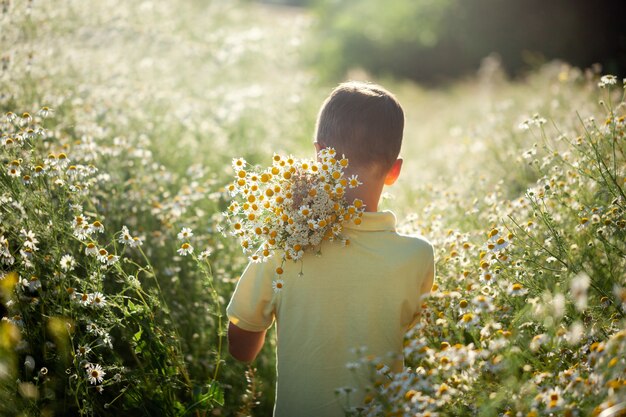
(364, 295)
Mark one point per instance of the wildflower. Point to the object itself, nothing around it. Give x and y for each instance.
(575, 333)
(107, 340)
(91, 327)
(277, 285)
(553, 399)
(239, 163)
(67, 263)
(26, 119)
(578, 288)
(5, 255)
(483, 303)
(30, 241)
(538, 341)
(82, 231)
(500, 244)
(103, 255)
(185, 249)
(468, 320)
(463, 306)
(83, 299)
(204, 254)
(8, 141)
(516, 289)
(32, 284)
(82, 350)
(354, 182)
(607, 80)
(111, 259)
(487, 277)
(14, 171)
(125, 237)
(95, 374)
(45, 112)
(97, 227)
(136, 242)
(305, 210)
(97, 299)
(91, 249)
(185, 233)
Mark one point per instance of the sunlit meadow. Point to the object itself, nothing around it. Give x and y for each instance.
(118, 124)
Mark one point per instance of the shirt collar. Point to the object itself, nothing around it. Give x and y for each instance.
(375, 222)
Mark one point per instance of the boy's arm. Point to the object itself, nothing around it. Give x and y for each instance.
(251, 311)
(244, 345)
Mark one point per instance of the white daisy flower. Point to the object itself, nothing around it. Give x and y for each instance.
(607, 80)
(185, 249)
(103, 255)
(516, 289)
(468, 320)
(487, 277)
(107, 340)
(185, 233)
(277, 285)
(305, 210)
(579, 285)
(204, 254)
(30, 240)
(95, 373)
(97, 299)
(67, 263)
(97, 227)
(92, 327)
(45, 112)
(82, 350)
(112, 259)
(91, 249)
(83, 299)
(354, 182)
(125, 237)
(13, 172)
(239, 163)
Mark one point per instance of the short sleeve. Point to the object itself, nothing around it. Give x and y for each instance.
(251, 306)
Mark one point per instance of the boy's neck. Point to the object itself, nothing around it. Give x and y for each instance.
(369, 191)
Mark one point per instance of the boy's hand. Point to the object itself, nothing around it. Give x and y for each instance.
(244, 345)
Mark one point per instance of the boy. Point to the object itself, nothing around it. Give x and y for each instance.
(364, 295)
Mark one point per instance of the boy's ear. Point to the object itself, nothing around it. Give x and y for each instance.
(318, 147)
(394, 172)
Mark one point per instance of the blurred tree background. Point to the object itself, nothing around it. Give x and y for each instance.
(431, 41)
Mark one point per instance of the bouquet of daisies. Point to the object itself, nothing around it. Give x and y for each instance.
(292, 206)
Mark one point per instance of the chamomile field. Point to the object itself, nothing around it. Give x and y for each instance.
(119, 122)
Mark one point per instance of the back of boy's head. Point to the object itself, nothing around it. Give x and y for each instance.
(364, 122)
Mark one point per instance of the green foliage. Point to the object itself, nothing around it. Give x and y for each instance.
(436, 41)
(374, 37)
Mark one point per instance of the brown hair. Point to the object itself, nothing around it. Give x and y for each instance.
(364, 122)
